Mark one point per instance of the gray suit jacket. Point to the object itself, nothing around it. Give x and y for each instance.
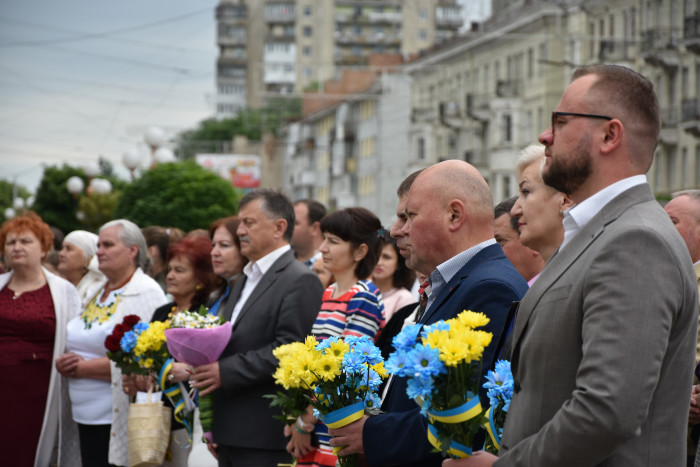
(281, 309)
(604, 346)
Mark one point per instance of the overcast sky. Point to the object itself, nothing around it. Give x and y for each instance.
(80, 78)
(84, 78)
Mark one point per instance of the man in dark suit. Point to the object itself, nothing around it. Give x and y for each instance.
(604, 341)
(448, 235)
(276, 303)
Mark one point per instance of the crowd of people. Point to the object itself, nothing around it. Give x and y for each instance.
(585, 279)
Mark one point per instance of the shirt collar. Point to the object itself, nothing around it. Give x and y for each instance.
(579, 215)
(447, 270)
(266, 262)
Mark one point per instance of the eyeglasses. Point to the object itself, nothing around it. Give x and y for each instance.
(555, 115)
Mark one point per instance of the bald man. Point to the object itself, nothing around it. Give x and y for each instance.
(448, 234)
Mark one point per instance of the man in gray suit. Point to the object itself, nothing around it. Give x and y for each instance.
(276, 303)
(604, 341)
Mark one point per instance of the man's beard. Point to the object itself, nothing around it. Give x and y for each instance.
(567, 175)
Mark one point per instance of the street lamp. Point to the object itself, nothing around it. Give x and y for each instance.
(155, 138)
(91, 169)
(132, 159)
(75, 185)
(18, 204)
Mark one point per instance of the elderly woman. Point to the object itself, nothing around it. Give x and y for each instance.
(100, 407)
(35, 306)
(78, 264)
(226, 258)
(539, 208)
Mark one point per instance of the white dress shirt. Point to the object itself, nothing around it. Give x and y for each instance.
(254, 272)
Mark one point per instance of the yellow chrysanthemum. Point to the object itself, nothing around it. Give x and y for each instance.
(328, 367)
(436, 339)
(337, 349)
(379, 368)
(453, 351)
(310, 343)
(473, 319)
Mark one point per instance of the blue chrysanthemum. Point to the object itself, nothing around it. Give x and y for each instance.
(140, 327)
(372, 400)
(426, 361)
(499, 385)
(439, 326)
(353, 362)
(419, 387)
(128, 341)
(370, 353)
(407, 337)
(354, 340)
(373, 381)
(399, 364)
(326, 343)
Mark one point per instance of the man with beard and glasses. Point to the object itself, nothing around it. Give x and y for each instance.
(604, 341)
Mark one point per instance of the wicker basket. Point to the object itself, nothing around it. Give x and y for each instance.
(149, 433)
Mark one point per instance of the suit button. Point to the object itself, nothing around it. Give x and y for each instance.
(516, 386)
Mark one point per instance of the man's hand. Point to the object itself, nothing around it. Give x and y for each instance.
(350, 437)
(206, 378)
(213, 449)
(479, 459)
(694, 413)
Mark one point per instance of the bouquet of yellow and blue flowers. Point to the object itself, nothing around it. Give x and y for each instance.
(340, 377)
(499, 386)
(443, 365)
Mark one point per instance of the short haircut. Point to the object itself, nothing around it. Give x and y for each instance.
(29, 220)
(357, 226)
(197, 250)
(405, 186)
(229, 223)
(403, 277)
(694, 194)
(630, 97)
(316, 210)
(275, 205)
(504, 207)
(131, 235)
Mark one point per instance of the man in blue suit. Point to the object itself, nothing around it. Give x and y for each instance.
(447, 235)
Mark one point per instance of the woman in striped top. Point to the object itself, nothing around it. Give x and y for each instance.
(352, 306)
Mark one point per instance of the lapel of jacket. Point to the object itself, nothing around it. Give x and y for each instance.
(486, 254)
(265, 282)
(564, 259)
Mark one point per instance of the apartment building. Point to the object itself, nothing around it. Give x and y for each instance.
(272, 48)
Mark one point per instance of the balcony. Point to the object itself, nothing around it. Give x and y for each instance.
(280, 13)
(423, 115)
(478, 107)
(388, 17)
(351, 59)
(690, 116)
(615, 51)
(659, 47)
(449, 22)
(691, 33)
(232, 60)
(669, 126)
(509, 88)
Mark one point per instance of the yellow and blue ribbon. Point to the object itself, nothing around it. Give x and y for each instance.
(175, 395)
(464, 412)
(492, 429)
(344, 416)
(456, 449)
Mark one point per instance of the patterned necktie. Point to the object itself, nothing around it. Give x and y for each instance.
(423, 291)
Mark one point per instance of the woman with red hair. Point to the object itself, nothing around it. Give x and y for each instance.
(35, 306)
(190, 280)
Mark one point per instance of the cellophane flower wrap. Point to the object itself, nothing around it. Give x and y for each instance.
(198, 338)
(340, 377)
(499, 387)
(443, 364)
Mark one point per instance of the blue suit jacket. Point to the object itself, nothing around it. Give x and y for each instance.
(488, 283)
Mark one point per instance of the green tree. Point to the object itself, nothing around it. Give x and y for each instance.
(59, 208)
(6, 196)
(182, 195)
(211, 134)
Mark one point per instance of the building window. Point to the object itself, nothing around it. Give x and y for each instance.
(308, 31)
(421, 149)
(507, 129)
(307, 72)
(684, 169)
(697, 165)
(671, 170)
(308, 11)
(423, 14)
(306, 50)
(423, 34)
(530, 63)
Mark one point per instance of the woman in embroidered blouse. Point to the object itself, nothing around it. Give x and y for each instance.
(99, 405)
(393, 278)
(352, 306)
(77, 263)
(35, 306)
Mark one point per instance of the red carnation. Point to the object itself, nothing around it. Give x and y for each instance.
(112, 343)
(120, 329)
(131, 320)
